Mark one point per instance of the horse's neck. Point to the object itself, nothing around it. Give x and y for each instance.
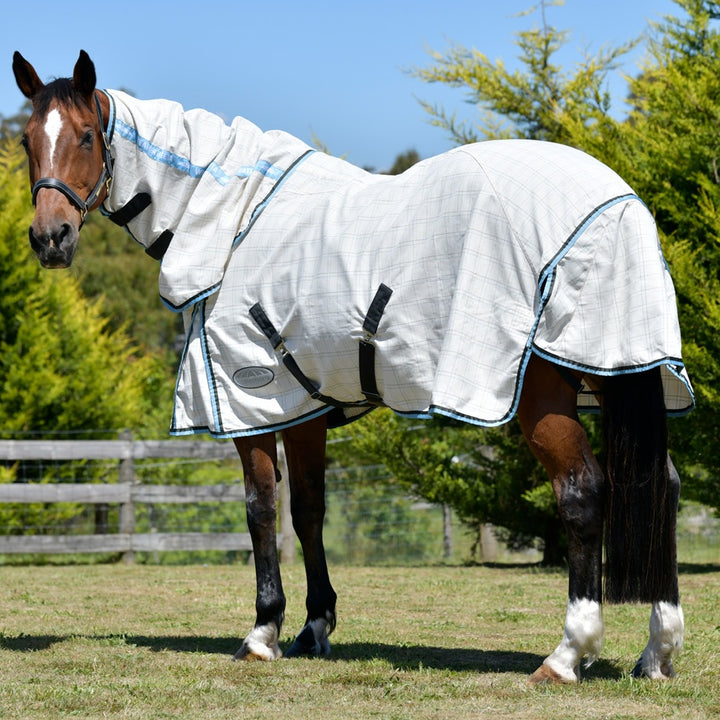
(205, 181)
(164, 151)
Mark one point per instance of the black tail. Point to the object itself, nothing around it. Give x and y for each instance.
(643, 491)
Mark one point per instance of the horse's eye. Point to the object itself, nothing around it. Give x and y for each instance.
(87, 139)
(24, 143)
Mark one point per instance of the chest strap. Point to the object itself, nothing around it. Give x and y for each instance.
(129, 211)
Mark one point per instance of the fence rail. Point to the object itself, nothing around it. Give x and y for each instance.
(127, 449)
(125, 493)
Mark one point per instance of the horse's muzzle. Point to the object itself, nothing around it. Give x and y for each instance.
(55, 248)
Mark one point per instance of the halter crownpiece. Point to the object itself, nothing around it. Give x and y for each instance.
(104, 181)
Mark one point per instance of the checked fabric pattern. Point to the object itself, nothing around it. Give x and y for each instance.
(492, 252)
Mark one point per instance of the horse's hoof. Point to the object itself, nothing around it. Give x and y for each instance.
(260, 644)
(545, 675)
(664, 672)
(312, 640)
(244, 653)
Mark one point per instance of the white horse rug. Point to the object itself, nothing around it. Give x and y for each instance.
(310, 286)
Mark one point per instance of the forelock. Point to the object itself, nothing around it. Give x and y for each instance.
(61, 91)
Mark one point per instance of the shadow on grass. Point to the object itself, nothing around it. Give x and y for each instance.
(186, 644)
(416, 657)
(402, 657)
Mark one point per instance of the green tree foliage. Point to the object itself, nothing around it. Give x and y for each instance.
(672, 141)
(61, 368)
(531, 101)
(112, 267)
(404, 161)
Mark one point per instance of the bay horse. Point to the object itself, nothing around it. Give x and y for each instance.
(481, 273)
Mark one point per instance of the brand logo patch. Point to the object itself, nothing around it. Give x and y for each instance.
(253, 377)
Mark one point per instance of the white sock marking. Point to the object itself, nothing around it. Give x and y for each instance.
(666, 637)
(53, 125)
(583, 638)
(263, 641)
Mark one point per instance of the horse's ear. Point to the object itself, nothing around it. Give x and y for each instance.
(26, 77)
(84, 78)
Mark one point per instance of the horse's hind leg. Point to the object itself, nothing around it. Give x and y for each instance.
(548, 417)
(666, 637)
(666, 620)
(259, 459)
(305, 450)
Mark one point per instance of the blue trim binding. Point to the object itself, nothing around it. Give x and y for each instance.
(198, 316)
(204, 295)
(263, 203)
(212, 385)
(184, 165)
(111, 117)
(255, 431)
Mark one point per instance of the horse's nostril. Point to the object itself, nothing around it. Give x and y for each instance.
(37, 242)
(64, 232)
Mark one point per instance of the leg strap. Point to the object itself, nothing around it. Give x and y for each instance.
(263, 322)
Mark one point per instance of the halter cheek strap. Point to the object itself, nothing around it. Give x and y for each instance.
(103, 182)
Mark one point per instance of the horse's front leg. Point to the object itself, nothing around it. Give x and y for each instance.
(259, 459)
(305, 451)
(547, 414)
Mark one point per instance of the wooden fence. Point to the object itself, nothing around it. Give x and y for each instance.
(127, 493)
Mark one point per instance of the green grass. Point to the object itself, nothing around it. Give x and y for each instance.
(446, 642)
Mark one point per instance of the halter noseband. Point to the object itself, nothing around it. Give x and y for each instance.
(104, 181)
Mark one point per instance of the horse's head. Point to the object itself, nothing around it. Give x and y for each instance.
(68, 157)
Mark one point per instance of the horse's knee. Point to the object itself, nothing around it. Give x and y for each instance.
(260, 514)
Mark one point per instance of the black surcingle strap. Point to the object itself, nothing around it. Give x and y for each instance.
(366, 351)
(569, 378)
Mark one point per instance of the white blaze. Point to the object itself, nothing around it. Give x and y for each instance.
(53, 124)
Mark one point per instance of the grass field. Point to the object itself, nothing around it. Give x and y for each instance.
(446, 642)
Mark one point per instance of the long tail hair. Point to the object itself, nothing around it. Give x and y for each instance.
(642, 494)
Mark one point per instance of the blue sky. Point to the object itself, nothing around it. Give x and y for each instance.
(335, 70)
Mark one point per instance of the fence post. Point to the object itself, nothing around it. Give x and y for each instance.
(126, 474)
(447, 532)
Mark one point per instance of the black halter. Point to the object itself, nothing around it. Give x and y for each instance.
(104, 181)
